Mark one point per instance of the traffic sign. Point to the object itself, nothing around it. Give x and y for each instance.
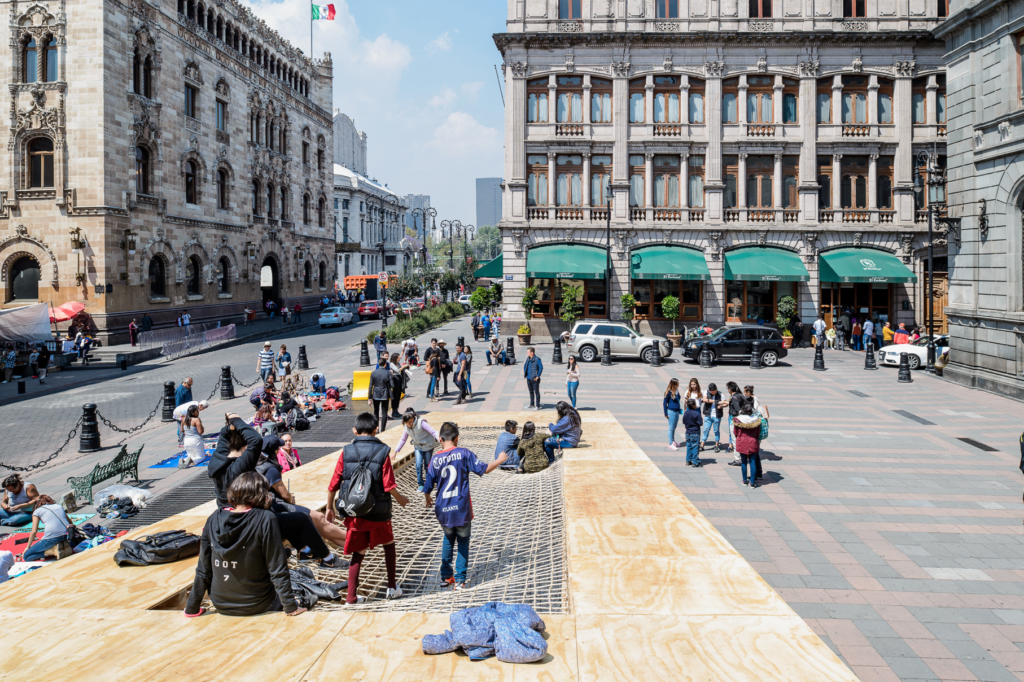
(382, 278)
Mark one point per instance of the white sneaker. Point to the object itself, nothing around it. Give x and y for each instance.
(673, 446)
(360, 599)
(394, 593)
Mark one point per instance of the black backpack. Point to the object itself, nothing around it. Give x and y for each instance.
(359, 500)
(162, 548)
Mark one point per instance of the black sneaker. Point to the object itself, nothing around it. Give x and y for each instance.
(716, 447)
(734, 463)
(697, 466)
(337, 563)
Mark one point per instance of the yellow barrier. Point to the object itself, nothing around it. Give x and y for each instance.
(360, 386)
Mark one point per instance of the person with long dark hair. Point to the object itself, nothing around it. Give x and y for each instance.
(192, 428)
(566, 433)
(671, 405)
(530, 451)
(572, 378)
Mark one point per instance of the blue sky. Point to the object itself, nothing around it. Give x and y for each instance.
(418, 78)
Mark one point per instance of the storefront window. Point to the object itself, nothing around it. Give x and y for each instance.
(650, 293)
(756, 302)
(860, 300)
(549, 297)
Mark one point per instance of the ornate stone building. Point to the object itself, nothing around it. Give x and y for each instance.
(986, 190)
(160, 158)
(728, 153)
(349, 144)
(368, 213)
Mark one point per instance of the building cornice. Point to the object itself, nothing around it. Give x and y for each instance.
(965, 16)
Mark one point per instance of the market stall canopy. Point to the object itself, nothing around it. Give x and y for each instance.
(66, 312)
(566, 261)
(29, 323)
(764, 264)
(669, 262)
(864, 265)
(494, 269)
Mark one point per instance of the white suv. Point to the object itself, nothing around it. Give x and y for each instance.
(587, 341)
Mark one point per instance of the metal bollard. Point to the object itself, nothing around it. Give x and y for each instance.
(227, 386)
(461, 341)
(656, 356)
(364, 354)
(556, 357)
(167, 415)
(606, 356)
(89, 440)
(303, 361)
(904, 375)
(819, 359)
(869, 357)
(755, 355)
(21, 388)
(122, 361)
(510, 352)
(705, 355)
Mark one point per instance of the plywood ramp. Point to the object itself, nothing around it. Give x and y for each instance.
(656, 593)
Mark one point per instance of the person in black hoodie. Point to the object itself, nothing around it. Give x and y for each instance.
(242, 563)
(238, 451)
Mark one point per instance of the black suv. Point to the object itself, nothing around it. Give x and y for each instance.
(737, 344)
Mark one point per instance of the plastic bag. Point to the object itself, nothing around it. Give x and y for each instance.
(138, 496)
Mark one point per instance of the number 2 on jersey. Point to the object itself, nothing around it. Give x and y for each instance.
(449, 490)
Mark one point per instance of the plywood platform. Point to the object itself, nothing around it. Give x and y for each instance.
(656, 593)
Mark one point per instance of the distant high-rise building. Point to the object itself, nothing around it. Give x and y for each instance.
(488, 201)
(349, 144)
(421, 201)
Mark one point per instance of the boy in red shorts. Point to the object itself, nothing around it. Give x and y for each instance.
(372, 527)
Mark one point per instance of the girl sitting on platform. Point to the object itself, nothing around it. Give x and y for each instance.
(531, 453)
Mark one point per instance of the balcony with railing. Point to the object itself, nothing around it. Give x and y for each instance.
(568, 214)
(732, 216)
(569, 130)
(537, 213)
(855, 131)
(668, 130)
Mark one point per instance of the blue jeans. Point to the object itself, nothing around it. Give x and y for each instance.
(748, 462)
(573, 387)
(488, 354)
(692, 448)
(422, 460)
(487, 332)
(452, 536)
(35, 552)
(534, 387)
(265, 374)
(433, 385)
(673, 421)
(712, 421)
(553, 443)
(14, 519)
(469, 383)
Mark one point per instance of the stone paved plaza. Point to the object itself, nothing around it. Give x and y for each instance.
(896, 539)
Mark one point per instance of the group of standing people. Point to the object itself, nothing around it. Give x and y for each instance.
(702, 412)
(488, 325)
(850, 332)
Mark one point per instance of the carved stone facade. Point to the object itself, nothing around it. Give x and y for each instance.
(171, 139)
(833, 111)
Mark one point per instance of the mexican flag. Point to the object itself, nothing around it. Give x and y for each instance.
(325, 12)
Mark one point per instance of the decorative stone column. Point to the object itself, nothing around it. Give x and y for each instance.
(903, 164)
(649, 186)
(810, 291)
(777, 183)
(741, 182)
(515, 122)
(684, 182)
(620, 157)
(837, 100)
(714, 287)
(586, 186)
(808, 187)
(777, 102)
(714, 188)
(837, 182)
(552, 167)
(587, 118)
(741, 102)
(930, 112)
(873, 186)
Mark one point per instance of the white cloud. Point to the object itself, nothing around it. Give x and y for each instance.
(472, 88)
(462, 136)
(444, 99)
(442, 43)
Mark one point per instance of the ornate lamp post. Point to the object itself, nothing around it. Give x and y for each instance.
(392, 202)
(451, 230)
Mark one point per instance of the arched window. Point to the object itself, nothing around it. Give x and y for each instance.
(223, 270)
(305, 209)
(193, 276)
(25, 279)
(322, 279)
(284, 203)
(147, 78)
(320, 211)
(270, 200)
(190, 183)
(141, 171)
(307, 279)
(40, 162)
(255, 197)
(30, 62)
(157, 277)
(222, 189)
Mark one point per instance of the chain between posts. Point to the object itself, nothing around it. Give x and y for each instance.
(111, 426)
(215, 389)
(33, 467)
(242, 383)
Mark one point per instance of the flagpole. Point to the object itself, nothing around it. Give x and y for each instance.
(310, 34)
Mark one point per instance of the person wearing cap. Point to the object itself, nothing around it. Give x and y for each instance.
(712, 404)
(901, 335)
(265, 363)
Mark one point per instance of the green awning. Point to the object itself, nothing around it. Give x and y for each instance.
(863, 265)
(669, 262)
(764, 264)
(494, 269)
(566, 261)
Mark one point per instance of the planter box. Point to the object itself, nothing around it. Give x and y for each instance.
(524, 339)
(787, 341)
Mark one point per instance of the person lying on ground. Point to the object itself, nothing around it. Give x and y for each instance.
(242, 562)
(532, 457)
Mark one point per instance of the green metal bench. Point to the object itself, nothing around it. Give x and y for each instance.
(124, 464)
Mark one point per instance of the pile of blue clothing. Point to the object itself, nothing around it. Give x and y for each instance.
(512, 632)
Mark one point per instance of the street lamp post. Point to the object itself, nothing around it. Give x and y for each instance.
(424, 213)
(392, 202)
(451, 229)
(936, 179)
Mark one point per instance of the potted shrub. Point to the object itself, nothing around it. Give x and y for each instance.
(670, 310)
(529, 302)
(628, 304)
(524, 334)
(787, 311)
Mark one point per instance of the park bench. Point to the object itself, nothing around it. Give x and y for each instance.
(125, 463)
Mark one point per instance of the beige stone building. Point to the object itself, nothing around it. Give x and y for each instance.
(160, 158)
(726, 153)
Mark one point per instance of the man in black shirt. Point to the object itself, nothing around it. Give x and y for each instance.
(736, 400)
(380, 390)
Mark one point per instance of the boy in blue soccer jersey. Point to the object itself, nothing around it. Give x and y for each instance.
(449, 469)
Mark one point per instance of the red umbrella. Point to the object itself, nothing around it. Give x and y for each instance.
(66, 312)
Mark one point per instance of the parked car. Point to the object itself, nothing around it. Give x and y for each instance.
(917, 352)
(369, 309)
(587, 341)
(737, 344)
(330, 317)
(408, 308)
(464, 300)
(420, 303)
